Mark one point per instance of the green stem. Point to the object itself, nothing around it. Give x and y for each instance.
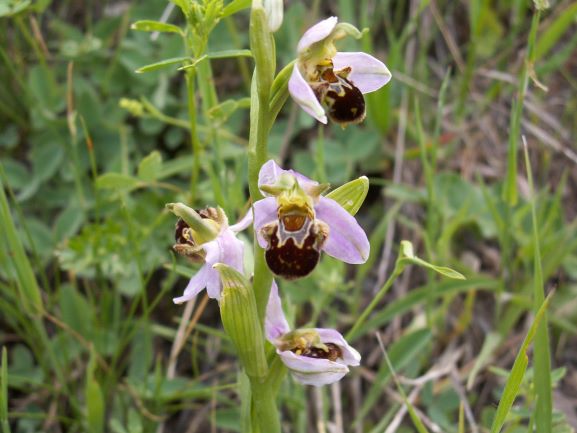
(264, 410)
(352, 334)
(196, 145)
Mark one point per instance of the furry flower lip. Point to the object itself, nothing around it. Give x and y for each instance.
(326, 82)
(315, 356)
(295, 223)
(220, 247)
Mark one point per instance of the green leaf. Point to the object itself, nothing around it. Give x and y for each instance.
(235, 6)
(11, 8)
(217, 55)
(95, 407)
(224, 54)
(155, 26)
(149, 168)
(68, 222)
(162, 64)
(29, 291)
(351, 195)
(549, 38)
(116, 181)
(407, 256)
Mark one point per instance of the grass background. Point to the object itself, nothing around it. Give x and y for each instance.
(90, 152)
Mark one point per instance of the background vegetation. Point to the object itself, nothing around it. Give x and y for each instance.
(91, 151)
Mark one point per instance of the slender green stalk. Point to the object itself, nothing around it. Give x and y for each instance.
(265, 413)
(262, 46)
(541, 352)
(194, 140)
(510, 187)
(352, 334)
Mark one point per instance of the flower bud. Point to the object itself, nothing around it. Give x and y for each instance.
(204, 229)
(274, 13)
(263, 49)
(240, 320)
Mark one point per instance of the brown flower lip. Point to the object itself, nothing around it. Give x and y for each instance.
(294, 254)
(183, 236)
(344, 101)
(332, 352)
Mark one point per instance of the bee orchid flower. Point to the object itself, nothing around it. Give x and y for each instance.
(222, 246)
(315, 356)
(294, 223)
(327, 82)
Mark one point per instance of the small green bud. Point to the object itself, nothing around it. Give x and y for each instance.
(351, 195)
(240, 320)
(407, 257)
(274, 13)
(263, 49)
(205, 229)
(133, 106)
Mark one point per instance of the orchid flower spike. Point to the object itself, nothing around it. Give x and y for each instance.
(325, 81)
(315, 356)
(294, 223)
(218, 245)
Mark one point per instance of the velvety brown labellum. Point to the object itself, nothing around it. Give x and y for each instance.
(185, 245)
(344, 101)
(332, 352)
(294, 245)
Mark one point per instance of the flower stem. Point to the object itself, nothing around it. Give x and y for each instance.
(265, 416)
(262, 46)
(265, 413)
(196, 146)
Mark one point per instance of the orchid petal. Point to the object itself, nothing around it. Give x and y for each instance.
(303, 95)
(347, 241)
(313, 371)
(270, 174)
(265, 211)
(231, 250)
(316, 33)
(243, 223)
(213, 255)
(367, 73)
(195, 285)
(350, 354)
(275, 321)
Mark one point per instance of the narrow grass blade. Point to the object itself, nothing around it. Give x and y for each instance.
(4, 393)
(510, 194)
(541, 352)
(95, 407)
(27, 283)
(517, 372)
